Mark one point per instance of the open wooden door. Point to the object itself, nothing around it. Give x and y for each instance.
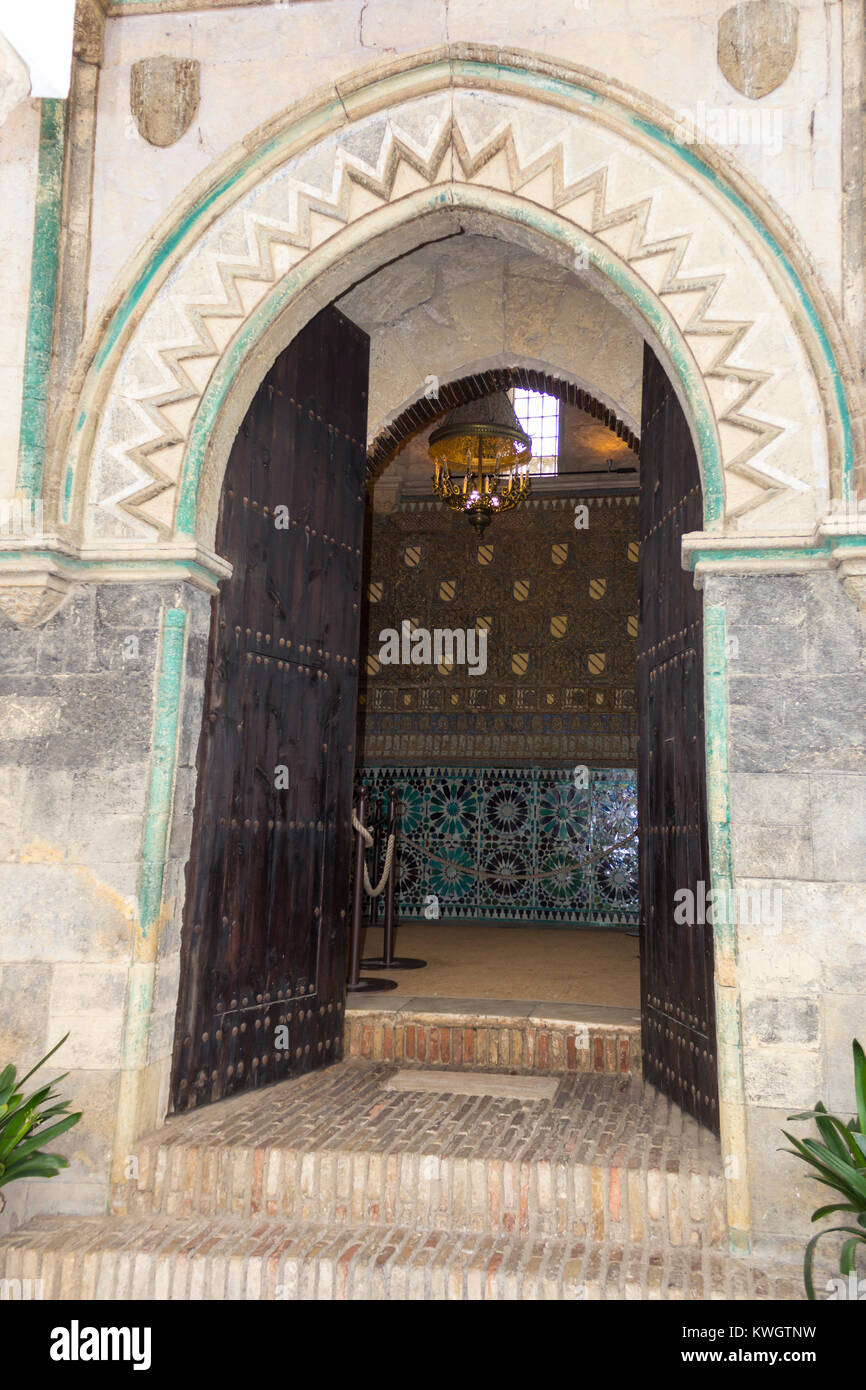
(678, 1031)
(267, 887)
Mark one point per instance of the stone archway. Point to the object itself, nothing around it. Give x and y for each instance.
(570, 162)
(548, 157)
(426, 408)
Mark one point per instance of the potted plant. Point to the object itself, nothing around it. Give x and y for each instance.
(840, 1162)
(23, 1126)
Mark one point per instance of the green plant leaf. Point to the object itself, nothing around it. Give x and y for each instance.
(43, 1060)
(860, 1084)
(846, 1257)
(822, 1158)
(32, 1103)
(12, 1103)
(829, 1175)
(828, 1211)
(13, 1132)
(810, 1253)
(7, 1083)
(46, 1136)
(840, 1138)
(26, 1124)
(37, 1166)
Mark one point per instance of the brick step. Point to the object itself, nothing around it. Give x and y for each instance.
(226, 1258)
(604, 1158)
(513, 1035)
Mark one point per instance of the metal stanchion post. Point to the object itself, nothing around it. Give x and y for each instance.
(358, 984)
(388, 961)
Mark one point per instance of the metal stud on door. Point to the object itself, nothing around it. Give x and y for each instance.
(267, 889)
(677, 997)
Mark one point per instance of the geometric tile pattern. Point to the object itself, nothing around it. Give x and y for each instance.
(525, 845)
(572, 698)
(654, 217)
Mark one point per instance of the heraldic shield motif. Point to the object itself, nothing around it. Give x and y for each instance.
(164, 97)
(757, 45)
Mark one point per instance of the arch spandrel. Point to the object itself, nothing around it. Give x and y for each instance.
(643, 219)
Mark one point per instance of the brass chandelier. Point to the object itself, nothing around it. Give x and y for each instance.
(481, 458)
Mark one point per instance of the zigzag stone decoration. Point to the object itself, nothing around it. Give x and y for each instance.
(658, 222)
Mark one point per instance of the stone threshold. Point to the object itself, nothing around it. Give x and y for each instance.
(223, 1259)
(522, 1035)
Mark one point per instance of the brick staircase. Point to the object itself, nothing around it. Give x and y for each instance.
(391, 1179)
(509, 1035)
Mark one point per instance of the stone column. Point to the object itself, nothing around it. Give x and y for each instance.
(796, 717)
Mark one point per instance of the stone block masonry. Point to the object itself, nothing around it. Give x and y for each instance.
(86, 838)
(796, 678)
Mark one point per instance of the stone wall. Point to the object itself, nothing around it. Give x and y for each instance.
(77, 795)
(797, 757)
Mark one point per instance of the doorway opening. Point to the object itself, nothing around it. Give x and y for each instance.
(516, 785)
(549, 808)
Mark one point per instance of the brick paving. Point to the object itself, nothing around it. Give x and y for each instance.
(334, 1186)
(226, 1258)
(607, 1158)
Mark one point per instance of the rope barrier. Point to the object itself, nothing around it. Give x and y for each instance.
(389, 858)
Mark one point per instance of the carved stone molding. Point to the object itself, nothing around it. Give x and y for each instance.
(30, 595)
(593, 177)
(33, 587)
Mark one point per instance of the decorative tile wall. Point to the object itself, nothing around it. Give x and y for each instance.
(559, 606)
(514, 844)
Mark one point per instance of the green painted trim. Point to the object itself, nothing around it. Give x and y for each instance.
(43, 294)
(100, 569)
(324, 116)
(162, 768)
(732, 552)
(508, 206)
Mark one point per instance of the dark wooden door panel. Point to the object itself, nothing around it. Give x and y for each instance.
(268, 877)
(678, 1002)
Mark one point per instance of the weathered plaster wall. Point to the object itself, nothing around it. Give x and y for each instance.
(257, 60)
(796, 681)
(19, 161)
(77, 719)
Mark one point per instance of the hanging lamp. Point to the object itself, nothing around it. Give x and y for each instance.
(481, 457)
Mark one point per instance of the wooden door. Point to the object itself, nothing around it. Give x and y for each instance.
(678, 1003)
(267, 888)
